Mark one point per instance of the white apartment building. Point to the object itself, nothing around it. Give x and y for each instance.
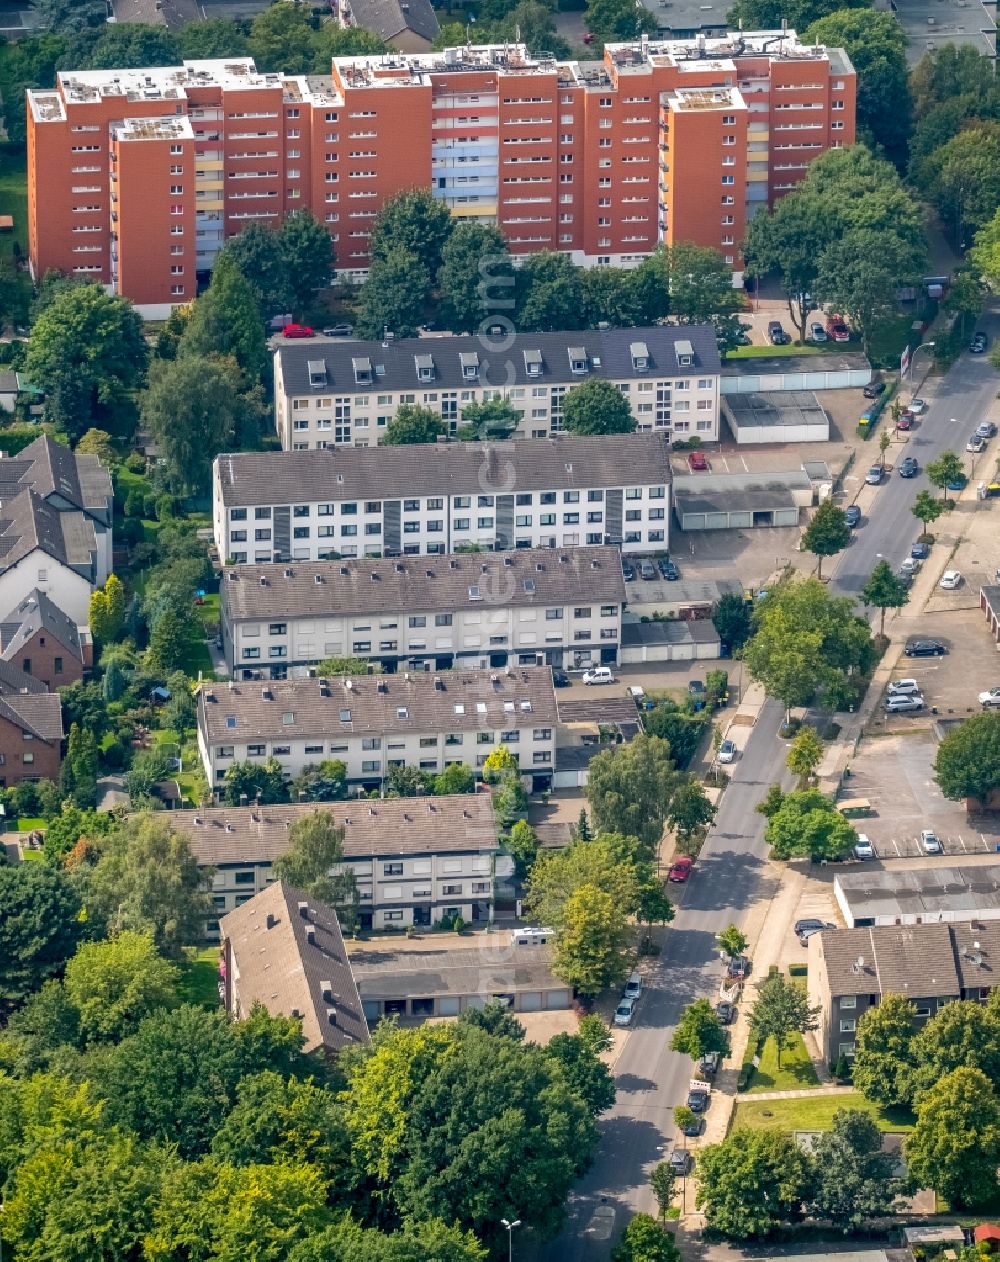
(430, 499)
(475, 610)
(331, 392)
(415, 860)
(370, 724)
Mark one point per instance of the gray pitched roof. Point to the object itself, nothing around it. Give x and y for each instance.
(535, 577)
(50, 469)
(608, 352)
(27, 522)
(564, 462)
(38, 612)
(453, 701)
(226, 835)
(390, 18)
(291, 958)
(39, 713)
(14, 680)
(913, 960)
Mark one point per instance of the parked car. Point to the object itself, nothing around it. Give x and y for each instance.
(697, 461)
(874, 475)
(976, 444)
(681, 1161)
(776, 335)
(925, 648)
(986, 430)
(680, 870)
(852, 515)
(990, 700)
(908, 467)
(560, 679)
(863, 848)
(625, 1012)
(910, 565)
(905, 421)
(929, 842)
(874, 388)
(958, 484)
(814, 926)
(979, 343)
(817, 333)
(599, 675)
(808, 925)
(297, 330)
(647, 570)
(708, 1065)
(920, 550)
(693, 1128)
(950, 579)
(696, 687)
(628, 571)
(727, 752)
(903, 688)
(343, 329)
(905, 576)
(838, 328)
(670, 572)
(633, 987)
(904, 705)
(725, 1011)
(917, 406)
(699, 1095)
(739, 968)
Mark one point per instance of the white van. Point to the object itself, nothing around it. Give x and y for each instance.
(531, 937)
(633, 987)
(599, 675)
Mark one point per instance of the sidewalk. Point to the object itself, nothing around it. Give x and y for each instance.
(792, 1095)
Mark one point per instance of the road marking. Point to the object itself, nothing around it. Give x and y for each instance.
(895, 846)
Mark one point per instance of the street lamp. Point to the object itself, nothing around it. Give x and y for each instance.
(909, 370)
(510, 1235)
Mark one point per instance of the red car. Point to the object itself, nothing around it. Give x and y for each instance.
(680, 871)
(905, 421)
(297, 330)
(838, 329)
(698, 462)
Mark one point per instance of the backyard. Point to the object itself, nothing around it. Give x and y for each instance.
(199, 980)
(815, 1112)
(795, 1072)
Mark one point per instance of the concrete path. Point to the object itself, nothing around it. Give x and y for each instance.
(793, 1095)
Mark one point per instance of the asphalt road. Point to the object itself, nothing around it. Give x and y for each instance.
(730, 875)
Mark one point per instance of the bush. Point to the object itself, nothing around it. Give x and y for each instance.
(135, 463)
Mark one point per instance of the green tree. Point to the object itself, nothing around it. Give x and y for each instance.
(605, 863)
(413, 424)
(955, 1145)
(593, 944)
(701, 284)
(963, 183)
(256, 252)
(321, 782)
(860, 274)
(643, 1240)
(307, 253)
(191, 410)
(282, 40)
(40, 927)
(662, 1181)
(456, 778)
(147, 879)
(613, 21)
(88, 354)
(732, 941)
(278, 1119)
(807, 824)
(120, 46)
(226, 322)
(927, 509)
(476, 276)
(876, 44)
(751, 1183)
(495, 1019)
(246, 782)
(609, 296)
(960, 1035)
(314, 863)
(495, 418)
(854, 1177)
(805, 755)
(780, 1010)
(549, 293)
(97, 442)
(699, 1031)
(597, 407)
(827, 534)
(430, 1240)
(78, 774)
(332, 667)
(107, 610)
(883, 1058)
(353, 41)
(884, 589)
(393, 296)
(114, 984)
(967, 763)
(499, 763)
(414, 223)
(690, 810)
(211, 38)
(945, 469)
(731, 613)
(587, 1075)
(169, 637)
(629, 789)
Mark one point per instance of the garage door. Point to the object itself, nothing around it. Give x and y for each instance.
(447, 1006)
(786, 516)
(716, 521)
(372, 1009)
(529, 1001)
(555, 999)
(693, 521)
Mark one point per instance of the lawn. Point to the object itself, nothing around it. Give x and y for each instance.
(795, 1072)
(199, 981)
(815, 1113)
(24, 825)
(770, 352)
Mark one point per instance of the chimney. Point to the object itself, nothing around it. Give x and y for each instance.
(331, 1015)
(327, 989)
(304, 910)
(311, 935)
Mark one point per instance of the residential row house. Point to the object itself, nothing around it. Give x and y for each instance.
(333, 392)
(376, 722)
(478, 610)
(434, 498)
(416, 861)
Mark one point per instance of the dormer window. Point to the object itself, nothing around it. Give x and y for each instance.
(684, 352)
(317, 373)
(425, 367)
(533, 363)
(469, 361)
(578, 361)
(640, 356)
(362, 370)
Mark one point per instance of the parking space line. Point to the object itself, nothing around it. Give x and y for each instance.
(895, 846)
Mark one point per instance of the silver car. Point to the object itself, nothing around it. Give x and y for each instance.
(929, 842)
(904, 705)
(874, 475)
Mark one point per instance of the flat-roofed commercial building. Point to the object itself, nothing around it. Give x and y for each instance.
(429, 499)
(471, 610)
(378, 721)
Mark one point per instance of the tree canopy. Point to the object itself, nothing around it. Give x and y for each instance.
(955, 1145)
(751, 1183)
(597, 407)
(629, 789)
(967, 763)
(827, 534)
(807, 824)
(40, 927)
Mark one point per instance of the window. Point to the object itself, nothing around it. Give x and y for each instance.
(847, 1027)
(57, 665)
(392, 869)
(582, 611)
(848, 1001)
(442, 619)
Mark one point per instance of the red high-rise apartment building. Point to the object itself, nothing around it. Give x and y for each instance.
(137, 177)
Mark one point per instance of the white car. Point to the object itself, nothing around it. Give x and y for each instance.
(917, 406)
(976, 444)
(625, 1012)
(863, 848)
(910, 566)
(990, 700)
(633, 987)
(929, 842)
(903, 688)
(951, 579)
(599, 675)
(817, 333)
(727, 752)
